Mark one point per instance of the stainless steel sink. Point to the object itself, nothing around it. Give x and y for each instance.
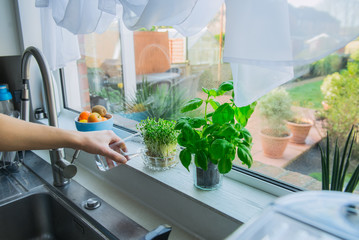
(32, 208)
(43, 216)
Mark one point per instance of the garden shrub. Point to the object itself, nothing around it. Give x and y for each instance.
(341, 93)
(327, 65)
(275, 108)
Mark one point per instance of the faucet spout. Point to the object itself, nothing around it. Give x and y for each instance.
(61, 171)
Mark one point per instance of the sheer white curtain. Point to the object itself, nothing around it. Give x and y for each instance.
(265, 39)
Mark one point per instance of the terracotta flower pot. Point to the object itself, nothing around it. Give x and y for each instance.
(273, 147)
(300, 131)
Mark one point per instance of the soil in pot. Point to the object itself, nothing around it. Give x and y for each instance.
(207, 180)
(274, 147)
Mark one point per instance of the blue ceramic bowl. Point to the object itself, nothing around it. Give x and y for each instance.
(95, 126)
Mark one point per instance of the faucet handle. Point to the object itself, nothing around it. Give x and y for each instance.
(61, 167)
(70, 171)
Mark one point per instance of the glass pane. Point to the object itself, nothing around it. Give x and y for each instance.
(99, 71)
(322, 99)
(154, 72)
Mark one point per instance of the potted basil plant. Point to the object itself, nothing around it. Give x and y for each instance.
(211, 142)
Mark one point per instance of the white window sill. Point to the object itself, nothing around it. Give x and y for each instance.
(170, 195)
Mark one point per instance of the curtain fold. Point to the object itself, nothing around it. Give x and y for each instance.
(265, 39)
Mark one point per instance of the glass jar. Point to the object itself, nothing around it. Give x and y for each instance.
(210, 179)
(159, 163)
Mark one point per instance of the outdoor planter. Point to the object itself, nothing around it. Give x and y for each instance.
(274, 147)
(137, 116)
(299, 130)
(206, 180)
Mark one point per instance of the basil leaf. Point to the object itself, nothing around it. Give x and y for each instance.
(224, 165)
(214, 103)
(202, 144)
(197, 122)
(210, 129)
(192, 104)
(246, 135)
(185, 157)
(218, 148)
(226, 86)
(205, 90)
(242, 114)
(223, 114)
(213, 92)
(188, 132)
(244, 155)
(231, 152)
(227, 131)
(181, 122)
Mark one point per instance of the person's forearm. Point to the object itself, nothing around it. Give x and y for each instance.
(20, 135)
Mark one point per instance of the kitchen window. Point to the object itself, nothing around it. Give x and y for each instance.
(152, 72)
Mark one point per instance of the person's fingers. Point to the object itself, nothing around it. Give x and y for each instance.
(110, 163)
(119, 145)
(115, 156)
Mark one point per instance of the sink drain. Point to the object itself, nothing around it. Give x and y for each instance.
(92, 203)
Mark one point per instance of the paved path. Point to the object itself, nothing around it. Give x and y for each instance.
(276, 167)
(293, 151)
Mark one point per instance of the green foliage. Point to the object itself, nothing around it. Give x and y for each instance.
(158, 101)
(340, 92)
(113, 95)
(140, 100)
(275, 108)
(340, 164)
(159, 136)
(216, 137)
(327, 65)
(307, 95)
(115, 98)
(166, 103)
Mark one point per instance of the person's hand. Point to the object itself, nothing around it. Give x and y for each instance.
(105, 143)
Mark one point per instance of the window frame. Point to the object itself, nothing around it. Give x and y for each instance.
(197, 200)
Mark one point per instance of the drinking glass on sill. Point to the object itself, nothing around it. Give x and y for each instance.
(133, 143)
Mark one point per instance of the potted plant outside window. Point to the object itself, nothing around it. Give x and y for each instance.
(275, 108)
(211, 142)
(160, 138)
(299, 127)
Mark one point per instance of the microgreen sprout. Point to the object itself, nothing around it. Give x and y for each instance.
(159, 136)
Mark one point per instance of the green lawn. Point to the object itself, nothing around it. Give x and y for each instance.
(307, 95)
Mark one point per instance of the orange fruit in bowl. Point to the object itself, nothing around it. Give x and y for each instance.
(94, 117)
(104, 119)
(84, 115)
(83, 121)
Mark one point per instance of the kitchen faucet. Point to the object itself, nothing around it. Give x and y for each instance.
(62, 172)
